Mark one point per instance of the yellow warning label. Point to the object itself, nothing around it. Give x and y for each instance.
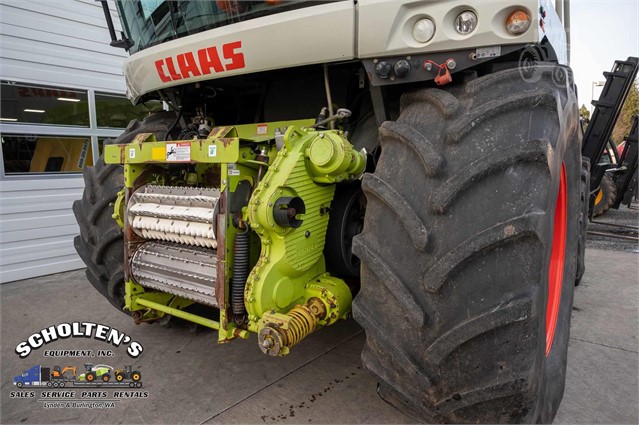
(158, 154)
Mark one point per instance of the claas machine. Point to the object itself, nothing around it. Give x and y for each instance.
(414, 164)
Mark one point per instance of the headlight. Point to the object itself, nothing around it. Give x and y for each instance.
(466, 22)
(423, 30)
(518, 22)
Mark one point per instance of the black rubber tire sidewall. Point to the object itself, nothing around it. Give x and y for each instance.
(555, 364)
(411, 237)
(93, 212)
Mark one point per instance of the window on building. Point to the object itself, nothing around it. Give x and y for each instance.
(117, 111)
(34, 104)
(45, 154)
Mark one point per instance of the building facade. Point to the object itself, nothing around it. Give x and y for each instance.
(62, 95)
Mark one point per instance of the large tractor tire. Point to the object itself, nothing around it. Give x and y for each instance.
(469, 249)
(100, 243)
(605, 196)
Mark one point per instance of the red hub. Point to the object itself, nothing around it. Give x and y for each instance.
(557, 260)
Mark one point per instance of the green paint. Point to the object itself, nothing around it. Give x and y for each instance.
(292, 257)
(289, 267)
(179, 313)
(118, 208)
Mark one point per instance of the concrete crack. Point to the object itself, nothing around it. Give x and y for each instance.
(604, 345)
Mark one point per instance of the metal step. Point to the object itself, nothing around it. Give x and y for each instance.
(186, 271)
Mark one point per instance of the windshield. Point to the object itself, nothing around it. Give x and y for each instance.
(150, 22)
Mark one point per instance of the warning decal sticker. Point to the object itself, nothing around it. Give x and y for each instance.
(178, 152)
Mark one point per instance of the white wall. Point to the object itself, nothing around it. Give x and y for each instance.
(61, 43)
(37, 227)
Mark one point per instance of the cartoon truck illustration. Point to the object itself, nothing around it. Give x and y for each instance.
(34, 377)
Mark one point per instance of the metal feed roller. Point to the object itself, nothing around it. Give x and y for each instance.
(175, 214)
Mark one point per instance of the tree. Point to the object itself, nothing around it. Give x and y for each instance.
(630, 109)
(584, 112)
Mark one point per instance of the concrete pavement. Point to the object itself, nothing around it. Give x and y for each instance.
(189, 378)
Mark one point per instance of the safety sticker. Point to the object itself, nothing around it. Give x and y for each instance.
(212, 150)
(178, 152)
(262, 129)
(132, 153)
(232, 171)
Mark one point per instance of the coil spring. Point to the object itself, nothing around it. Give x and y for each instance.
(241, 264)
(303, 322)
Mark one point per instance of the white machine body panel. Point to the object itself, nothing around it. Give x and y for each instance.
(389, 24)
(333, 32)
(310, 35)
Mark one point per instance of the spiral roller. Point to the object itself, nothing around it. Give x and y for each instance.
(285, 330)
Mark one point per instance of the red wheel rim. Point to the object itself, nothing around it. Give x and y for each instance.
(557, 261)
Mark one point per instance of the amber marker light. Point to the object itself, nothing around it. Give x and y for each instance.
(518, 22)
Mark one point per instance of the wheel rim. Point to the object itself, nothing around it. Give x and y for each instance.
(599, 197)
(557, 261)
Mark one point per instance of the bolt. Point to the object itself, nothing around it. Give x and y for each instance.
(451, 64)
(473, 56)
(307, 234)
(267, 343)
(428, 66)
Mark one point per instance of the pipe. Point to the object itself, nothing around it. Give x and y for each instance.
(179, 313)
(328, 95)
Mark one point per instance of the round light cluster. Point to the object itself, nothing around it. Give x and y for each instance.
(423, 30)
(466, 22)
(518, 22)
